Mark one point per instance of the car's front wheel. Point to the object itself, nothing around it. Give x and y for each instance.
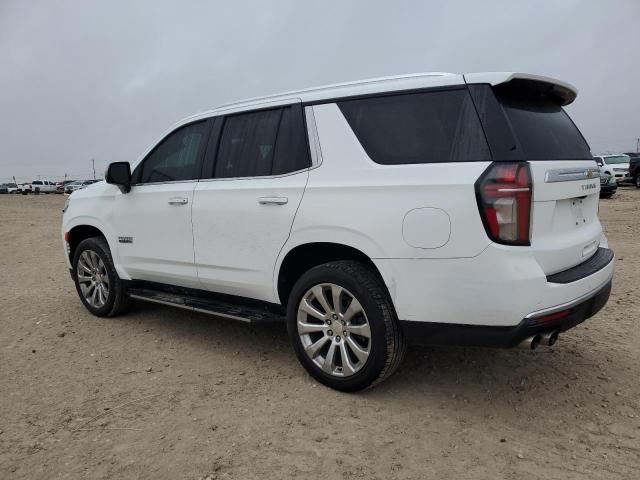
(343, 326)
(99, 287)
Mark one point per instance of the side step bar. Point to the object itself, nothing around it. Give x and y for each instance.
(218, 308)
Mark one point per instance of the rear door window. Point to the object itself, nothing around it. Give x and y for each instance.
(247, 144)
(427, 127)
(542, 128)
(262, 143)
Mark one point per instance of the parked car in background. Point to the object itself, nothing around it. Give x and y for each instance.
(78, 185)
(365, 215)
(43, 186)
(24, 188)
(60, 186)
(634, 167)
(9, 188)
(72, 187)
(608, 185)
(615, 165)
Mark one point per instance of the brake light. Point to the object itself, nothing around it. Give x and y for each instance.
(504, 193)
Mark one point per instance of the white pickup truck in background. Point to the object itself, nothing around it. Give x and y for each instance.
(43, 186)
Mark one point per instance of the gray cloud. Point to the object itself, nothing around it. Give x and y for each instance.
(82, 80)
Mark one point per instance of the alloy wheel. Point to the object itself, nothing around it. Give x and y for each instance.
(334, 329)
(93, 278)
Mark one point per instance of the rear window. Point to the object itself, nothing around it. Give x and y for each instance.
(427, 127)
(543, 129)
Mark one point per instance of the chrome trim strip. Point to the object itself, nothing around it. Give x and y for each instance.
(571, 174)
(188, 307)
(572, 303)
(260, 177)
(169, 182)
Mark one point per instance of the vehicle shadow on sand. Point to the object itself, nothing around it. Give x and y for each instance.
(486, 377)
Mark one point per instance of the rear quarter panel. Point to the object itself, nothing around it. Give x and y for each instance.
(352, 200)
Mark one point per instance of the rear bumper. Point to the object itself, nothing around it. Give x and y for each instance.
(608, 188)
(623, 177)
(429, 333)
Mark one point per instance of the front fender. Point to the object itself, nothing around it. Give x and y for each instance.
(77, 214)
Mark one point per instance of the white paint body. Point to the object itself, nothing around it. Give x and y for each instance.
(419, 224)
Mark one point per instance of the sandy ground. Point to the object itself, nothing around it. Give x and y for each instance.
(163, 393)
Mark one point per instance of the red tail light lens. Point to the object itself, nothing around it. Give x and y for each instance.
(504, 198)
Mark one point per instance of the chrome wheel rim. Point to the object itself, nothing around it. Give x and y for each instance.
(93, 278)
(334, 329)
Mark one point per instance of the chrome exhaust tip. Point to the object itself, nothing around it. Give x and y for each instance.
(530, 343)
(549, 338)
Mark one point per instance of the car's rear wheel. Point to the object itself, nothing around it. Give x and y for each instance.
(97, 283)
(343, 326)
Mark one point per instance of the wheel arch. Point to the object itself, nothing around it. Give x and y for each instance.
(79, 233)
(86, 227)
(303, 257)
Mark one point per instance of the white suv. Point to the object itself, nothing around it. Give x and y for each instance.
(430, 208)
(615, 165)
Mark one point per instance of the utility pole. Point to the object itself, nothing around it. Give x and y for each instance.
(93, 162)
(638, 144)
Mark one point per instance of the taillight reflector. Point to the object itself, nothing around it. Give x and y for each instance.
(504, 194)
(552, 317)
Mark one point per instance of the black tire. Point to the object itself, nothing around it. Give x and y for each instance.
(606, 195)
(117, 301)
(636, 181)
(386, 345)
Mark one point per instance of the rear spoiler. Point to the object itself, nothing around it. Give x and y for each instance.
(564, 91)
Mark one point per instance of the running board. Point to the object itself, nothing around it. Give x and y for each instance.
(218, 308)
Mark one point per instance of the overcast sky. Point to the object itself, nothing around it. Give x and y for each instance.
(104, 79)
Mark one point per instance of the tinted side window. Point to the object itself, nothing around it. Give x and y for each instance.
(429, 127)
(270, 142)
(291, 145)
(247, 144)
(176, 157)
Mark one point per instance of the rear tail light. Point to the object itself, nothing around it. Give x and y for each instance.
(504, 194)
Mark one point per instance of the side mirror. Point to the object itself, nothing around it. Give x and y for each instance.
(119, 173)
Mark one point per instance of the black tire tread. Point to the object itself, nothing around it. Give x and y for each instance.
(369, 279)
(122, 300)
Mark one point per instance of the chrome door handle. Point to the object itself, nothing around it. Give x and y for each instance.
(178, 201)
(273, 200)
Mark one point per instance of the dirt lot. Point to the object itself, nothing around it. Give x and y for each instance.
(163, 393)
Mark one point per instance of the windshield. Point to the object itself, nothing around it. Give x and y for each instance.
(616, 159)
